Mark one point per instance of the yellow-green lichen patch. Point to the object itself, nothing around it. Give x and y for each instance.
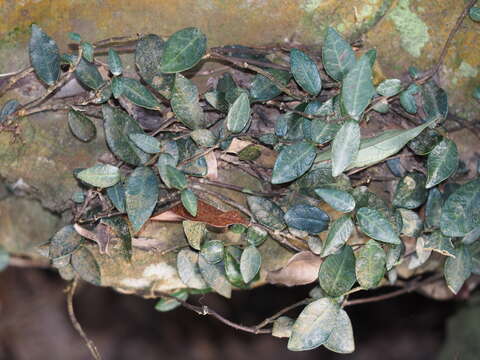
(413, 31)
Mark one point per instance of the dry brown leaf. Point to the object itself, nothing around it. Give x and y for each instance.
(101, 235)
(206, 213)
(212, 166)
(238, 145)
(301, 269)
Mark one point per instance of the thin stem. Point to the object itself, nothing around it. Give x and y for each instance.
(234, 187)
(71, 313)
(14, 79)
(285, 310)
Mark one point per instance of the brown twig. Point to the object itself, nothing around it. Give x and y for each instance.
(71, 313)
(285, 310)
(14, 79)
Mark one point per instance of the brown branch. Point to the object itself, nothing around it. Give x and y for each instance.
(71, 313)
(272, 318)
(14, 79)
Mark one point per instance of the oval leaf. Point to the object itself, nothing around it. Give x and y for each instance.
(341, 340)
(410, 192)
(338, 199)
(88, 75)
(442, 162)
(345, 147)
(100, 175)
(307, 218)
(389, 87)
(458, 269)
(213, 251)
(195, 232)
(81, 126)
(44, 56)
(372, 223)
(86, 266)
(188, 270)
(337, 272)
(146, 143)
(266, 212)
(292, 162)
(239, 114)
(337, 55)
(305, 72)
(189, 201)
(185, 103)
(370, 265)
(138, 94)
(250, 263)
(64, 242)
(214, 276)
(114, 62)
(338, 234)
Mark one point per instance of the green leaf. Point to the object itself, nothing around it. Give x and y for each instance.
(307, 218)
(461, 211)
(8, 109)
(305, 72)
(183, 50)
(339, 232)
(114, 63)
(315, 244)
(141, 196)
(81, 126)
(389, 87)
(337, 55)
(323, 131)
(282, 327)
(138, 94)
(381, 106)
(100, 175)
(117, 87)
(474, 13)
(185, 103)
(255, 235)
(407, 99)
(458, 269)
(440, 243)
(195, 232)
(175, 178)
(88, 75)
(4, 258)
(146, 143)
(263, 89)
(120, 227)
(292, 162)
(424, 143)
(345, 147)
(337, 272)
(412, 224)
(374, 224)
(87, 51)
(203, 137)
(86, 266)
(232, 266)
(188, 270)
(314, 325)
(394, 255)
(370, 265)
(475, 252)
(338, 199)
(118, 126)
(472, 236)
(167, 304)
(74, 36)
(214, 276)
(266, 212)
(357, 88)
(64, 242)
(250, 263)
(341, 340)
(213, 251)
(239, 114)
(189, 201)
(44, 56)
(148, 55)
(411, 192)
(442, 162)
(164, 160)
(435, 101)
(116, 194)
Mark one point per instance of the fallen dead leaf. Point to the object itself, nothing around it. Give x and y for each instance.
(301, 269)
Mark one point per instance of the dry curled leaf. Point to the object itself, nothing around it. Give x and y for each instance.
(301, 269)
(101, 235)
(212, 166)
(206, 213)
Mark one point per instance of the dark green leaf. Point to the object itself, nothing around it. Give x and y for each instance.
(341, 339)
(472, 236)
(166, 304)
(263, 89)
(256, 235)
(323, 131)
(138, 94)
(81, 126)
(435, 101)
(292, 162)
(474, 13)
(337, 272)
(88, 75)
(87, 51)
(239, 114)
(86, 266)
(185, 103)
(389, 87)
(146, 143)
(164, 160)
(114, 63)
(345, 147)
(64, 242)
(357, 88)
(394, 255)
(44, 56)
(117, 87)
(458, 269)
(407, 99)
(232, 266)
(195, 232)
(338, 199)
(425, 141)
(118, 126)
(442, 162)
(141, 196)
(305, 72)
(188, 270)
(183, 50)
(214, 276)
(120, 228)
(338, 234)
(374, 224)
(213, 251)
(8, 109)
(461, 211)
(314, 325)
(266, 212)
(433, 209)
(100, 175)
(116, 194)
(175, 178)
(189, 201)
(381, 106)
(411, 192)
(250, 263)
(337, 55)
(440, 243)
(307, 218)
(370, 265)
(203, 137)
(148, 55)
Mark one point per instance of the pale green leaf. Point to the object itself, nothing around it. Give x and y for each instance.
(238, 114)
(370, 265)
(305, 72)
(188, 270)
(81, 126)
(250, 263)
(214, 276)
(341, 339)
(374, 224)
(100, 175)
(345, 147)
(458, 269)
(338, 199)
(185, 103)
(442, 162)
(189, 201)
(337, 55)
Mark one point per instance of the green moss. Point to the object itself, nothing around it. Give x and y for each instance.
(413, 31)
